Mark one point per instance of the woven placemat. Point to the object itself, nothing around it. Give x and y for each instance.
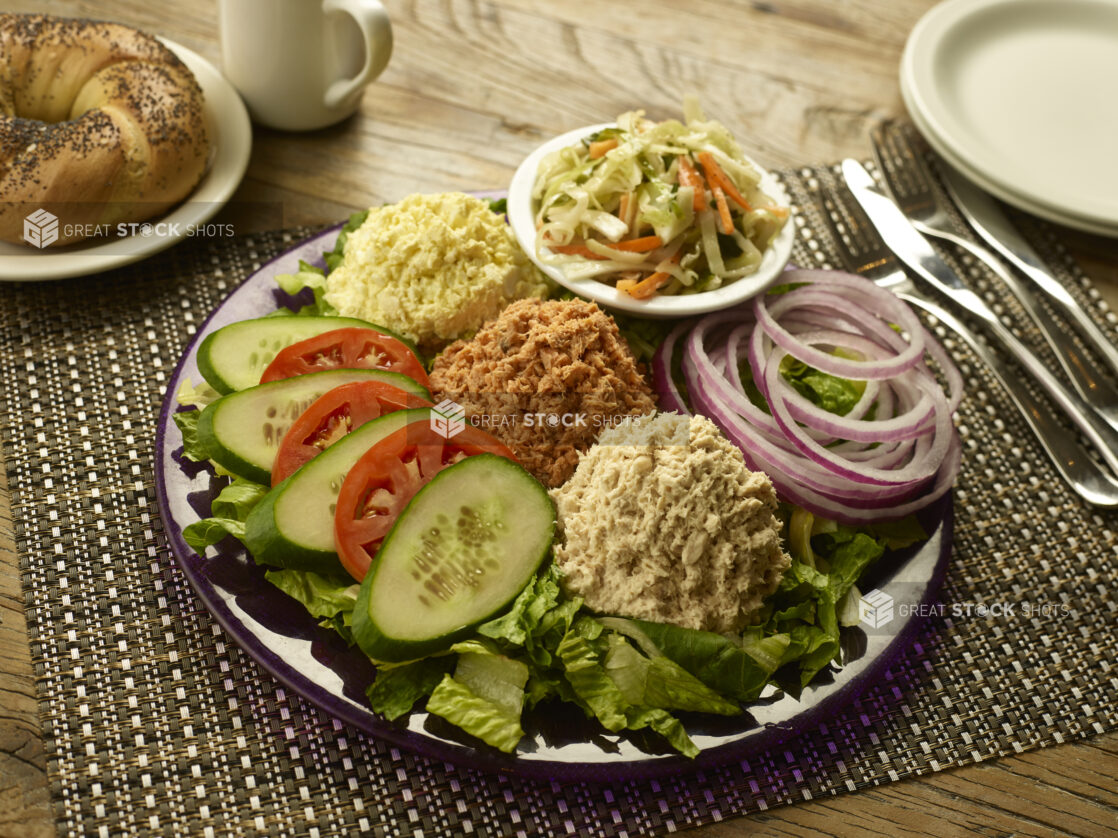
(156, 723)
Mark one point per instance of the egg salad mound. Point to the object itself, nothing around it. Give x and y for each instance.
(432, 268)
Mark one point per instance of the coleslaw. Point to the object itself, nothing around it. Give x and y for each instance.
(654, 207)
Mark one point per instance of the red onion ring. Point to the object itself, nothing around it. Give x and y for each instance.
(670, 398)
(847, 468)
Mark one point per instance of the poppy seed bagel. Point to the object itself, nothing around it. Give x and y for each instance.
(99, 124)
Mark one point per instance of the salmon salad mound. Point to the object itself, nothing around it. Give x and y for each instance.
(544, 377)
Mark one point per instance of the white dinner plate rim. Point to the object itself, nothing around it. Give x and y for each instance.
(229, 124)
(924, 98)
(1021, 202)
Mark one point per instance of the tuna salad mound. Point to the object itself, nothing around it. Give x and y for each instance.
(432, 268)
(663, 521)
(544, 377)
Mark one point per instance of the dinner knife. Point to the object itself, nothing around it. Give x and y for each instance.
(991, 223)
(913, 250)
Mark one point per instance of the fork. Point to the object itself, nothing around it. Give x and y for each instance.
(910, 183)
(862, 251)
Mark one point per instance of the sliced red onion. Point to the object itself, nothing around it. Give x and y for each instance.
(847, 468)
(852, 301)
(671, 400)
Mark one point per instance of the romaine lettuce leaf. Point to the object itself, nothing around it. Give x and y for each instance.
(321, 596)
(834, 394)
(199, 396)
(308, 276)
(538, 619)
(720, 663)
(187, 422)
(485, 696)
(335, 256)
(395, 690)
(229, 511)
(583, 652)
(658, 681)
(313, 277)
(460, 706)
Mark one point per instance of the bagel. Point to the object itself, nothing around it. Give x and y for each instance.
(99, 124)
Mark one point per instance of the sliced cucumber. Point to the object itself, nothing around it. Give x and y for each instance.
(459, 553)
(242, 431)
(235, 356)
(293, 525)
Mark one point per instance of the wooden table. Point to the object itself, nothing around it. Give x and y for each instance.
(472, 88)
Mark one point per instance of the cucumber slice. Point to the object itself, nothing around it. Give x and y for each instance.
(242, 431)
(235, 356)
(459, 553)
(293, 525)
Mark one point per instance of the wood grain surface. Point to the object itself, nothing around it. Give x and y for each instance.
(472, 87)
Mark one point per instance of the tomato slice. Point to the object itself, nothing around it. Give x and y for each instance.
(354, 347)
(380, 484)
(334, 415)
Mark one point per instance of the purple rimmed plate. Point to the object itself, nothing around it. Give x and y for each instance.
(286, 641)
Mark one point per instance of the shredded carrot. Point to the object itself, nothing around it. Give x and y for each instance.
(641, 245)
(723, 209)
(689, 176)
(648, 286)
(599, 148)
(623, 207)
(718, 177)
(627, 280)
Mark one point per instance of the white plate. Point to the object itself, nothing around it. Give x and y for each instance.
(1024, 93)
(1013, 198)
(522, 218)
(231, 134)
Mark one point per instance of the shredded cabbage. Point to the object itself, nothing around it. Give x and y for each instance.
(619, 207)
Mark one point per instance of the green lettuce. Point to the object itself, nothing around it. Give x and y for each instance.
(334, 257)
(724, 664)
(322, 596)
(583, 652)
(228, 513)
(835, 395)
(485, 696)
(538, 619)
(313, 277)
(187, 423)
(396, 689)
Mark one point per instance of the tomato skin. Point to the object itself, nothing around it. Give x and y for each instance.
(351, 347)
(388, 475)
(332, 416)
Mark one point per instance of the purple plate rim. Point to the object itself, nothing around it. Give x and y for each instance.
(933, 555)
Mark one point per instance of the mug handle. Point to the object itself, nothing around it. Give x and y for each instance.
(376, 29)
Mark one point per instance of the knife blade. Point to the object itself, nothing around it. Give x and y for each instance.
(916, 252)
(910, 246)
(991, 223)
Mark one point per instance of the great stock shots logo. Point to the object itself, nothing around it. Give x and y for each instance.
(448, 419)
(875, 609)
(40, 229)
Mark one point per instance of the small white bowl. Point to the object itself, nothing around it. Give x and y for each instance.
(522, 218)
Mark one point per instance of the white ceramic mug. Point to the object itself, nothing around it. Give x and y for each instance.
(303, 64)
